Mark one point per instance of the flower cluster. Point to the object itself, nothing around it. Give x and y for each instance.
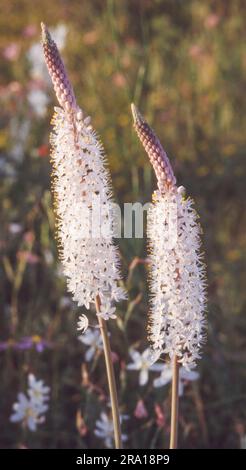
(157, 155)
(81, 185)
(29, 409)
(177, 275)
(56, 68)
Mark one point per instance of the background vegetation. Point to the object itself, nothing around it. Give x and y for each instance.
(183, 63)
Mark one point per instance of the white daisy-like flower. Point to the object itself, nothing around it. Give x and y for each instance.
(143, 362)
(93, 339)
(105, 430)
(83, 323)
(27, 412)
(30, 410)
(185, 376)
(37, 391)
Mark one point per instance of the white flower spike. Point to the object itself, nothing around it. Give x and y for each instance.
(80, 182)
(177, 277)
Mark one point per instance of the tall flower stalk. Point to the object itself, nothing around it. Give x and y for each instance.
(81, 184)
(177, 273)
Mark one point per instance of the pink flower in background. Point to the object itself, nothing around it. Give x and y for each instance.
(29, 257)
(115, 357)
(140, 411)
(14, 88)
(11, 52)
(29, 237)
(43, 150)
(160, 417)
(91, 37)
(30, 30)
(195, 51)
(212, 21)
(119, 80)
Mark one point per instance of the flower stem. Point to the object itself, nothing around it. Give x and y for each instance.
(175, 405)
(110, 375)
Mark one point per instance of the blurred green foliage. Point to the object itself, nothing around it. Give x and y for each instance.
(183, 63)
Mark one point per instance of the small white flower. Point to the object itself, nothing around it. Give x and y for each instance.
(37, 391)
(93, 339)
(83, 323)
(30, 410)
(144, 363)
(25, 411)
(105, 430)
(38, 101)
(185, 376)
(165, 377)
(107, 311)
(15, 228)
(118, 293)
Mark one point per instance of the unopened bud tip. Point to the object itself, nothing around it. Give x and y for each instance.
(137, 117)
(46, 37)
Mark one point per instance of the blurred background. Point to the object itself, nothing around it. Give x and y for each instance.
(183, 64)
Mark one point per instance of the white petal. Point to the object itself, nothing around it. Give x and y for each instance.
(143, 377)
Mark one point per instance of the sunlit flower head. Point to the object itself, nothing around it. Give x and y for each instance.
(80, 177)
(177, 272)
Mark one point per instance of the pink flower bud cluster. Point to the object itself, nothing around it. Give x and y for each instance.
(57, 71)
(157, 155)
